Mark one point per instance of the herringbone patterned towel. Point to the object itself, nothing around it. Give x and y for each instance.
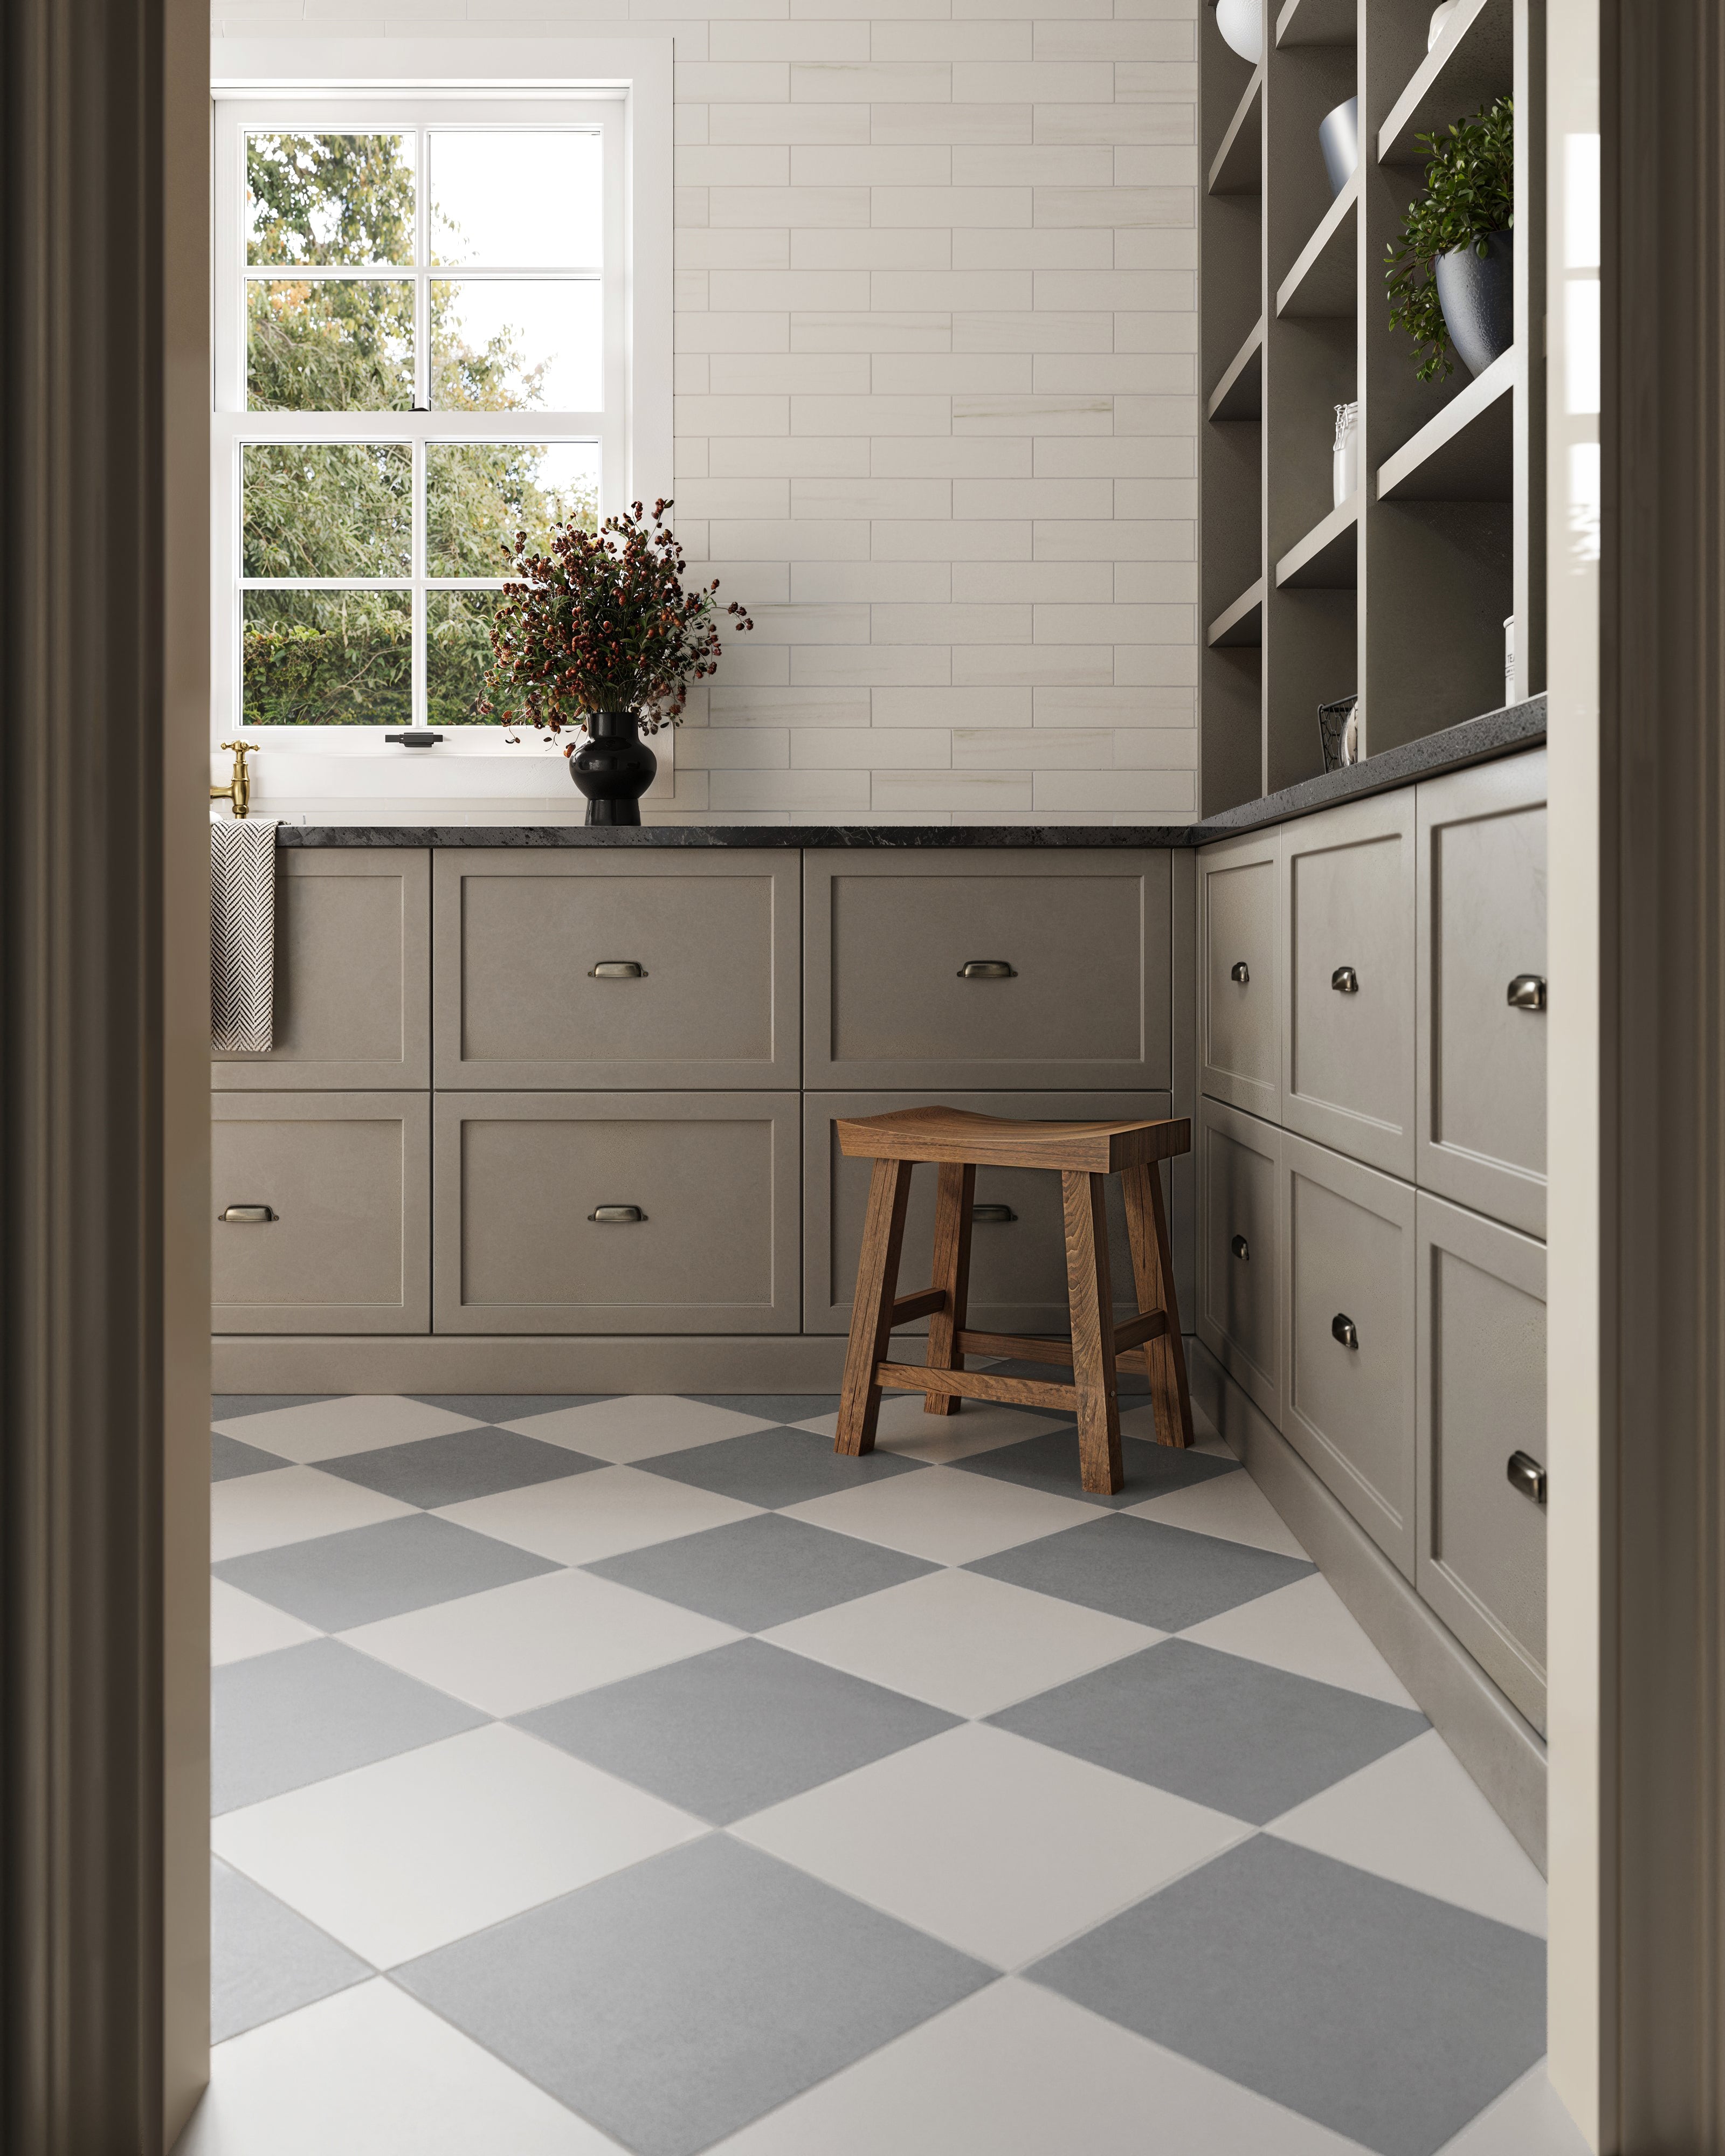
(242, 937)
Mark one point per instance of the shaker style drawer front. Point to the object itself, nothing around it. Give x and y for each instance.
(1239, 1254)
(1240, 971)
(1482, 993)
(1349, 1002)
(607, 968)
(1018, 1252)
(353, 974)
(935, 970)
(616, 1213)
(1482, 1443)
(321, 1206)
(1348, 1383)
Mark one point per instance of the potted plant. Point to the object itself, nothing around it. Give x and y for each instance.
(603, 636)
(1451, 279)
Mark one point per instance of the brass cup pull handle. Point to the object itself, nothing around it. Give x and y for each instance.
(1240, 971)
(1343, 1329)
(1345, 980)
(1241, 1249)
(1527, 1475)
(990, 1216)
(987, 969)
(617, 969)
(617, 1216)
(1526, 991)
(248, 1216)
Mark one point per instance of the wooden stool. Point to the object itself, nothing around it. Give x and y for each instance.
(1083, 1153)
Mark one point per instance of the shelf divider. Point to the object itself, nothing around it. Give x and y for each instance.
(1242, 622)
(1323, 280)
(1317, 22)
(1327, 559)
(1240, 394)
(1238, 166)
(1467, 453)
(1472, 61)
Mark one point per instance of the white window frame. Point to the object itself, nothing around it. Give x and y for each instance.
(623, 87)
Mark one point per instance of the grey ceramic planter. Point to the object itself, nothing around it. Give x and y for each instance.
(1478, 295)
(1338, 138)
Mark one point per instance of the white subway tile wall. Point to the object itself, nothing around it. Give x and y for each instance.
(935, 416)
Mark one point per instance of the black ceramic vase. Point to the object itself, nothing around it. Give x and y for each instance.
(613, 767)
(1477, 295)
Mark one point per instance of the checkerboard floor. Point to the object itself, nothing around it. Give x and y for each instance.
(632, 1774)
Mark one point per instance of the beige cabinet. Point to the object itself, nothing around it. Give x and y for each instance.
(1239, 1315)
(352, 974)
(928, 971)
(322, 1206)
(1482, 969)
(603, 967)
(616, 1213)
(1017, 1261)
(1239, 965)
(1482, 1443)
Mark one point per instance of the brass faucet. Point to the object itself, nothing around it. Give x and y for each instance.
(238, 788)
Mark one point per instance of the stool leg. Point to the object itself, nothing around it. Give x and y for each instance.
(952, 1271)
(872, 1313)
(1090, 1295)
(1153, 1270)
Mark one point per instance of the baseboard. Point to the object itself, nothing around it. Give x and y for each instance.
(1502, 1750)
(421, 1363)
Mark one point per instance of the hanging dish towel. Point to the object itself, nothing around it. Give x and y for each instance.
(242, 937)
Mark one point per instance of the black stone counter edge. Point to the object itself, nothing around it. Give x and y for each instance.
(1475, 741)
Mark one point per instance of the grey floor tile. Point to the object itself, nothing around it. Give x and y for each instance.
(463, 1463)
(773, 1407)
(300, 1714)
(728, 1732)
(1050, 1462)
(336, 1581)
(224, 1406)
(1386, 2016)
(1242, 1738)
(265, 1959)
(508, 1407)
(775, 1467)
(679, 2000)
(753, 1573)
(1152, 1573)
(229, 1457)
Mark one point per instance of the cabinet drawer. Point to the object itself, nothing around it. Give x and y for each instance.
(1481, 1557)
(521, 1175)
(1240, 1255)
(1348, 1358)
(353, 974)
(1017, 1267)
(1481, 1067)
(1347, 1030)
(703, 946)
(1240, 971)
(346, 1181)
(1086, 1002)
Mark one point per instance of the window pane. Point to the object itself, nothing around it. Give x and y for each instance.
(328, 659)
(458, 656)
(516, 344)
(324, 200)
(317, 512)
(518, 198)
(477, 495)
(339, 345)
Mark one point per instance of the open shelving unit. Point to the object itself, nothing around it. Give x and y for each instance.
(1401, 593)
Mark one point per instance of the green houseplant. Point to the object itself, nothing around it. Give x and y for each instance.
(1449, 280)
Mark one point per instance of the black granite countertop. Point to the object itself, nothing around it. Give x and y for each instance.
(1475, 741)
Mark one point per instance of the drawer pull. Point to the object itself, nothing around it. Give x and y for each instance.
(987, 969)
(991, 1216)
(1240, 971)
(1527, 1476)
(1526, 991)
(248, 1216)
(617, 969)
(1241, 1249)
(1344, 1330)
(617, 1216)
(1345, 980)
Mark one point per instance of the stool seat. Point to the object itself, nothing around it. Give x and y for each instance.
(957, 1134)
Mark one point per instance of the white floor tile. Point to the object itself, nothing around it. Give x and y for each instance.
(970, 1644)
(371, 2072)
(903, 1428)
(638, 1426)
(282, 1505)
(584, 1517)
(1304, 1628)
(1015, 2071)
(541, 1640)
(1002, 1847)
(1415, 1816)
(241, 1626)
(946, 1516)
(1526, 2120)
(396, 1858)
(1231, 1506)
(326, 1429)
